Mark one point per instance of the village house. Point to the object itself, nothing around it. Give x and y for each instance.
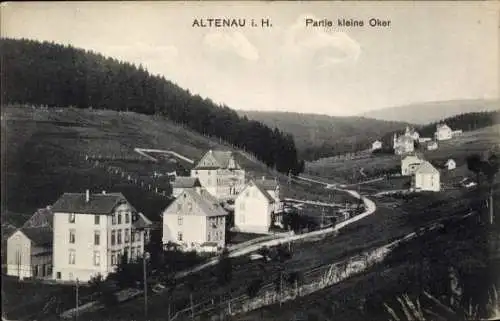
(409, 164)
(29, 252)
(426, 178)
(195, 221)
(443, 132)
(92, 232)
(433, 145)
(184, 182)
(258, 207)
(376, 145)
(412, 132)
(451, 164)
(220, 174)
(403, 145)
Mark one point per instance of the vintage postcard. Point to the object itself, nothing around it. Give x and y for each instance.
(250, 160)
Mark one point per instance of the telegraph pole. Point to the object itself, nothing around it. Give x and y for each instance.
(76, 311)
(144, 258)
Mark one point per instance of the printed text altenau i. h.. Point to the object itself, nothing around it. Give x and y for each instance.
(231, 22)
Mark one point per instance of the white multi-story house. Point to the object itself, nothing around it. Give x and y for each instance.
(195, 221)
(29, 252)
(403, 144)
(184, 182)
(220, 174)
(426, 178)
(376, 145)
(258, 207)
(92, 232)
(409, 164)
(443, 132)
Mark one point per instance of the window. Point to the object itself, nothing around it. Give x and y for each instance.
(127, 218)
(71, 218)
(113, 219)
(179, 206)
(132, 236)
(119, 237)
(132, 253)
(72, 236)
(179, 220)
(126, 253)
(58, 275)
(97, 219)
(35, 271)
(179, 236)
(97, 237)
(120, 218)
(97, 258)
(138, 251)
(247, 193)
(72, 257)
(190, 207)
(126, 235)
(113, 258)
(209, 236)
(138, 236)
(242, 206)
(113, 237)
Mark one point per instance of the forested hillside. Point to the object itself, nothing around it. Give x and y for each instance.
(61, 76)
(318, 136)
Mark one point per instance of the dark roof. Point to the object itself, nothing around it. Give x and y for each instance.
(208, 204)
(38, 235)
(42, 217)
(141, 222)
(267, 184)
(98, 203)
(221, 157)
(186, 182)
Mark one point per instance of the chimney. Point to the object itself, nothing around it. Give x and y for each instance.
(87, 196)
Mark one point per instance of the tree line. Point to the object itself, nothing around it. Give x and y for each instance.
(53, 75)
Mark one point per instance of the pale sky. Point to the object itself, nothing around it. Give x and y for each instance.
(430, 51)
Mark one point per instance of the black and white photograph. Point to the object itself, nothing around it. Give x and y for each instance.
(250, 160)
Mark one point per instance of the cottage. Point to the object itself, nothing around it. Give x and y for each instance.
(403, 145)
(376, 145)
(451, 164)
(409, 164)
(258, 207)
(92, 232)
(194, 221)
(443, 132)
(220, 174)
(29, 253)
(426, 178)
(182, 182)
(433, 145)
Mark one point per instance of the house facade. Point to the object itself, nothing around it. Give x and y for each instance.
(433, 145)
(410, 164)
(195, 221)
(182, 182)
(443, 132)
(426, 178)
(258, 207)
(220, 174)
(403, 145)
(376, 145)
(92, 232)
(29, 253)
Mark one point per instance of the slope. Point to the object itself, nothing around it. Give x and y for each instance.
(428, 112)
(337, 134)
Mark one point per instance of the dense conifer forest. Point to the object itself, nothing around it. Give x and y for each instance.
(53, 75)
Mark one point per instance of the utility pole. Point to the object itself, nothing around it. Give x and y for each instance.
(144, 258)
(76, 311)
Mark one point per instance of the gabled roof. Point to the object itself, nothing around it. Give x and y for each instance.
(42, 217)
(142, 222)
(186, 182)
(426, 168)
(38, 235)
(208, 204)
(411, 158)
(222, 158)
(267, 184)
(263, 186)
(442, 126)
(403, 138)
(98, 203)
